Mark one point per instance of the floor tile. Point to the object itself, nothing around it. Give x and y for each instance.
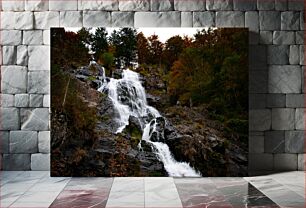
(126, 200)
(128, 184)
(163, 198)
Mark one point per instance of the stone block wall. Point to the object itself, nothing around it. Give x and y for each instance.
(276, 68)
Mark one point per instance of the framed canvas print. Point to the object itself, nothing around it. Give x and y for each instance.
(149, 102)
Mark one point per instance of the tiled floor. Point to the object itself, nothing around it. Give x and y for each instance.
(37, 189)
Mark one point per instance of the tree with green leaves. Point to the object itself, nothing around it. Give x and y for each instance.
(99, 42)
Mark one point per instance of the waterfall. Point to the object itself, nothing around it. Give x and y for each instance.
(129, 99)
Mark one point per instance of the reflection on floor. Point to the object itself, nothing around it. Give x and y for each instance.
(38, 189)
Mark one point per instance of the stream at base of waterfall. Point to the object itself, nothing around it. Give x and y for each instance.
(129, 99)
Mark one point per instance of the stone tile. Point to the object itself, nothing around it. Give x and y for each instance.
(301, 162)
(50, 184)
(294, 54)
(6, 100)
(126, 199)
(14, 79)
(36, 5)
(63, 5)
(281, 5)
(290, 20)
(98, 5)
(216, 5)
(186, 19)
(135, 5)
(39, 58)
(297, 5)
(258, 57)
(302, 20)
(269, 20)
(266, 37)
(71, 19)
(295, 100)
(16, 162)
(246, 5)
(299, 37)
(276, 100)
(260, 162)
(44, 141)
(162, 5)
(203, 19)
(39, 82)
(278, 54)
(258, 82)
(6, 20)
(302, 55)
(294, 141)
(274, 142)
(256, 144)
(13, 6)
(251, 21)
(21, 100)
(24, 20)
(265, 5)
(157, 19)
(36, 100)
(4, 142)
(285, 162)
(36, 119)
(33, 37)
(229, 19)
(122, 19)
(40, 161)
(299, 119)
(46, 37)
(257, 101)
(283, 37)
(22, 55)
(11, 37)
(10, 119)
(259, 120)
(283, 118)
(96, 19)
(23, 142)
(46, 101)
(128, 184)
(45, 20)
(285, 79)
(196, 5)
(9, 55)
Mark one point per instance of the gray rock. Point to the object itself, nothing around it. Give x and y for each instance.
(229, 19)
(135, 5)
(22, 55)
(96, 19)
(45, 20)
(6, 100)
(162, 5)
(284, 162)
(219, 5)
(244, 5)
(290, 21)
(16, 162)
(39, 58)
(297, 5)
(259, 120)
(36, 119)
(23, 142)
(285, 79)
(13, 6)
(21, 100)
(186, 19)
(294, 141)
(71, 19)
(39, 82)
(256, 144)
(294, 54)
(283, 118)
(276, 100)
(269, 20)
(281, 5)
(40, 162)
(295, 100)
(274, 141)
(251, 21)
(258, 82)
(24, 20)
(122, 19)
(257, 101)
(33, 37)
(299, 119)
(11, 37)
(301, 162)
(98, 5)
(265, 5)
(299, 37)
(4, 141)
(36, 100)
(14, 79)
(260, 162)
(278, 54)
(157, 19)
(302, 55)
(46, 101)
(6, 20)
(63, 5)
(44, 141)
(9, 55)
(203, 19)
(283, 37)
(9, 119)
(195, 5)
(37, 5)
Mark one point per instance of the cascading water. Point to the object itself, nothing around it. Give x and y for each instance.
(129, 99)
